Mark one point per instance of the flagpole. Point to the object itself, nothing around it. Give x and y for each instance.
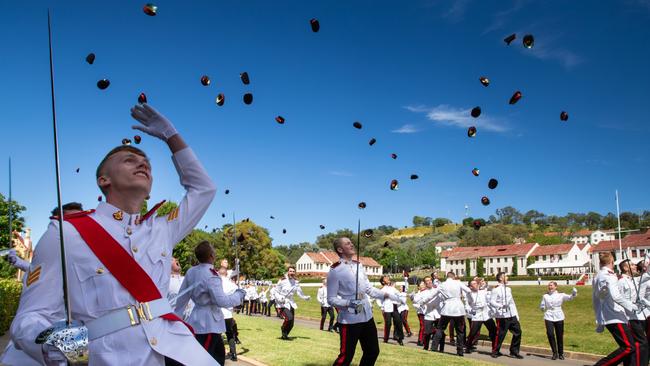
(618, 217)
(11, 212)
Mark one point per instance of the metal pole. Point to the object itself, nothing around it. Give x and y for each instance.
(620, 247)
(64, 273)
(234, 238)
(11, 212)
(356, 291)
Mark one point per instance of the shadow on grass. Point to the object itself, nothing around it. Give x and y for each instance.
(293, 338)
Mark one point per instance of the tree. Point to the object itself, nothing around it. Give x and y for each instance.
(293, 252)
(469, 221)
(609, 222)
(532, 217)
(18, 222)
(592, 220)
(486, 236)
(480, 267)
(542, 239)
(419, 221)
(468, 268)
(515, 266)
(629, 220)
(326, 241)
(441, 221)
(509, 215)
(530, 260)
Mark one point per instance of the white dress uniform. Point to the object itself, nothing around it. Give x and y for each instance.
(94, 292)
(229, 288)
(450, 291)
(387, 305)
(552, 305)
(208, 297)
(507, 319)
(478, 304)
(175, 283)
(286, 288)
(628, 288)
(321, 296)
(502, 302)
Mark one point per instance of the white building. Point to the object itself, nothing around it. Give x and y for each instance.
(561, 259)
(318, 264)
(598, 236)
(634, 247)
(498, 258)
(447, 245)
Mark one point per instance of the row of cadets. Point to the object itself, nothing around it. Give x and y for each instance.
(286, 289)
(325, 308)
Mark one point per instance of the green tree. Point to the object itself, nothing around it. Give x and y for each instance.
(530, 260)
(441, 221)
(325, 241)
(509, 215)
(542, 239)
(480, 267)
(419, 221)
(592, 220)
(532, 217)
(468, 268)
(18, 222)
(515, 266)
(609, 222)
(487, 236)
(293, 252)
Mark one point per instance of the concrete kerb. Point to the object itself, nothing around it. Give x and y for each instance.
(251, 361)
(573, 355)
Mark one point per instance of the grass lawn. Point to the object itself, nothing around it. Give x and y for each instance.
(311, 347)
(579, 333)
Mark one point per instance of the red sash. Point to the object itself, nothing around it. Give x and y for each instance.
(118, 262)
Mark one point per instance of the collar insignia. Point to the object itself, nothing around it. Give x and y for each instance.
(118, 215)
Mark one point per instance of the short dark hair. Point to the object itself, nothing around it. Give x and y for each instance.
(70, 206)
(290, 267)
(381, 280)
(129, 148)
(500, 276)
(337, 244)
(203, 251)
(451, 274)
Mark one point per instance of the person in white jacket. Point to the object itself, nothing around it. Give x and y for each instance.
(430, 301)
(628, 285)
(390, 312)
(229, 287)
(325, 307)
(478, 305)
(419, 309)
(609, 307)
(287, 287)
(506, 316)
(551, 305)
(403, 310)
(453, 310)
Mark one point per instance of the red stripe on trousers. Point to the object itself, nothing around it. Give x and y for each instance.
(421, 333)
(496, 339)
(344, 340)
(207, 341)
(617, 359)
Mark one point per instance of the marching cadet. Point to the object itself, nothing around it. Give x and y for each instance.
(247, 300)
(452, 310)
(430, 300)
(478, 305)
(273, 293)
(628, 285)
(507, 317)
(389, 311)
(118, 263)
(609, 307)
(554, 317)
(229, 287)
(419, 309)
(175, 282)
(287, 287)
(325, 307)
(209, 298)
(264, 301)
(347, 287)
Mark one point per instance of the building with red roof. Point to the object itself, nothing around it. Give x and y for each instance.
(318, 264)
(496, 259)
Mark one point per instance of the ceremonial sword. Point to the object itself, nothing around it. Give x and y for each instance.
(5, 252)
(356, 291)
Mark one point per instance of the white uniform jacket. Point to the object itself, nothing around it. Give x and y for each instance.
(503, 303)
(387, 305)
(430, 300)
(273, 292)
(608, 302)
(94, 291)
(229, 287)
(403, 306)
(450, 292)
(628, 287)
(341, 289)
(263, 298)
(286, 288)
(478, 305)
(644, 290)
(321, 296)
(552, 305)
(208, 297)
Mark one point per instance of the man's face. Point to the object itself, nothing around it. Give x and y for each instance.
(291, 273)
(224, 263)
(175, 266)
(428, 282)
(551, 287)
(346, 248)
(325, 282)
(473, 285)
(422, 286)
(126, 171)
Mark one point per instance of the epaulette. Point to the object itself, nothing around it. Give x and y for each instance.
(73, 215)
(152, 211)
(335, 265)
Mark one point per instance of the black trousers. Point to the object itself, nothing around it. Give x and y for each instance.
(431, 328)
(246, 308)
(475, 331)
(287, 324)
(640, 338)
(459, 327)
(324, 311)
(404, 315)
(231, 333)
(364, 333)
(626, 351)
(555, 335)
(503, 326)
(213, 343)
(389, 318)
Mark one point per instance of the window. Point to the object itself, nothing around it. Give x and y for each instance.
(576, 257)
(498, 260)
(544, 257)
(505, 269)
(490, 260)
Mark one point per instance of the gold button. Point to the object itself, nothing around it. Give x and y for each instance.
(134, 249)
(129, 231)
(153, 341)
(100, 270)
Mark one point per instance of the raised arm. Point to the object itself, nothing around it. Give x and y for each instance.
(218, 297)
(617, 296)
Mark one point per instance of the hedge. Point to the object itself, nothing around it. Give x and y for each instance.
(9, 297)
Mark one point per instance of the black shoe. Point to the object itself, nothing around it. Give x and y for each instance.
(561, 357)
(419, 344)
(233, 357)
(285, 337)
(495, 355)
(400, 342)
(554, 356)
(237, 341)
(468, 350)
(460, 354)
(385, 340)
(409, 334)
(516, 355)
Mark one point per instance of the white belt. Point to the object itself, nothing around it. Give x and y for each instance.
(131, 316)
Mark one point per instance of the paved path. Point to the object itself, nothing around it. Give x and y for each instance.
(483, 354)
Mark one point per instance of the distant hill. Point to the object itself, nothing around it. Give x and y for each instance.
(418, 231)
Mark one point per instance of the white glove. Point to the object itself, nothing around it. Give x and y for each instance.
(634, 308)
(574, 291)
(53, 356)
(307, 298)
(153, 123)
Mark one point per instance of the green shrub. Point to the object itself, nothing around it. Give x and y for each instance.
(9, 296)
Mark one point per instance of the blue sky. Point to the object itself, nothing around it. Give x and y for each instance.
(407, 70)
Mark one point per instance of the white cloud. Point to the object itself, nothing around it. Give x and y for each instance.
(407, 128)
(459, 117)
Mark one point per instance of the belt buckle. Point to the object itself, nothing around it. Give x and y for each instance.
(133, 315)
(144, 311)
